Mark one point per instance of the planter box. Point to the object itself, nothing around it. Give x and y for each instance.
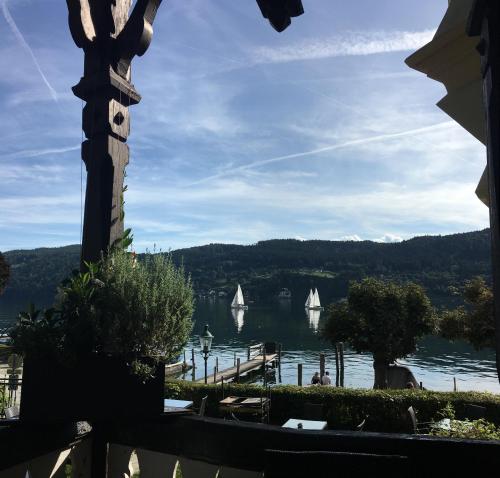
(99, 388)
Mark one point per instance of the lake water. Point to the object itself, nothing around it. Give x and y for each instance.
(435, 363)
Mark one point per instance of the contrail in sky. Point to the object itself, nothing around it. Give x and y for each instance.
(346, 144)
(34, 153)
(349, 44)
(24, 44)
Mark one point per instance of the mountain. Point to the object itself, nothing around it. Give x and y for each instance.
(262, 269)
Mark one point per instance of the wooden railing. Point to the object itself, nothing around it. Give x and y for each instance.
(206, 447)
(254, 351)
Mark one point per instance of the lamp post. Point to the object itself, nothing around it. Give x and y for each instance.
(206, 343)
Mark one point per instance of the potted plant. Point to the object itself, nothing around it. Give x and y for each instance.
(100, 352)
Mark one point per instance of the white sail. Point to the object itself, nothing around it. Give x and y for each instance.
(240, 296)
(317, 303)
(309, 298)
(238, 299)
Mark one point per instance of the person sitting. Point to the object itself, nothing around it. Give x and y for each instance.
(325, 379)
(316, 379)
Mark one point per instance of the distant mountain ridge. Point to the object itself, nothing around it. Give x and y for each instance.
(262, 269)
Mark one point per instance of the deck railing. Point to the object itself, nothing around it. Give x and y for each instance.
(207, 447)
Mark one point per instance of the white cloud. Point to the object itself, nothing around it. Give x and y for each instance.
(350, 44)
(352, 237)
(388, 237)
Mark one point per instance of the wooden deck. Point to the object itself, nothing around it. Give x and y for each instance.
(245, 367)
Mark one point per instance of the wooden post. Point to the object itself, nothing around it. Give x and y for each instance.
(110, 39)
(193, 370)
(279, 355)
(235, 359)
(99, 451)
(454, 384)
(238, 370)
(321, 365)
(264, 366)
(484, 20)
(217, 364)
(299, 375)
(341, 354)
(248, 353)
(337, 369)
(421, 386)
(215, 374)
(185, 363)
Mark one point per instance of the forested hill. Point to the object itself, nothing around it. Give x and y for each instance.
(436, 262)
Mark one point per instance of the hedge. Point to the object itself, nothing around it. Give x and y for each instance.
(344, 408)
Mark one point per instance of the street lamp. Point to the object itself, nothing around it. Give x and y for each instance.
(206, 343)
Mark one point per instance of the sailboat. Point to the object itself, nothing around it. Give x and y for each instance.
(312, 302)
(238, 302)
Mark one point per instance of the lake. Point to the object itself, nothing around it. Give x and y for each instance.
(435, 363)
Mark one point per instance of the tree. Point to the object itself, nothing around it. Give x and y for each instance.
(473, 322)
(383, 318)
(4, 273)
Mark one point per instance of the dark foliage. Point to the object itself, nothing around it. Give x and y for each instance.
(473, 322)
(344, 408)
(4, 273)
(435, 262)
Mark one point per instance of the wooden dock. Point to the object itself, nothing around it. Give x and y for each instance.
(254, 363)
(177, 368)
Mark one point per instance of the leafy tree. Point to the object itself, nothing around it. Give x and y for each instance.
(383, 318)
(4, 273)
(474, 321)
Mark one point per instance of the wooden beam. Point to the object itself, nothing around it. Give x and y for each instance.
(485, 20)
(110, 40)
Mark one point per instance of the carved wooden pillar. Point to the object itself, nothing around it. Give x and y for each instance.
(485, 21)
(110, 38)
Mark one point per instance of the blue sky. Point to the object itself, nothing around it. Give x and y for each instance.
(243, 134)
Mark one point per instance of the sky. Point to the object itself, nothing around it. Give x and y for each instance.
(243, 134)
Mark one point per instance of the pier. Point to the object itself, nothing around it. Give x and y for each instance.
(258, 356)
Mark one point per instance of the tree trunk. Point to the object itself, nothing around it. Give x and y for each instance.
(380, 365)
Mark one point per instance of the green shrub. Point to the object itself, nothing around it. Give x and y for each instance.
(345, 408)
(470, 429)
(119, 307)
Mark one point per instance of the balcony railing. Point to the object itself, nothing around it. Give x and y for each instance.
(207, 447)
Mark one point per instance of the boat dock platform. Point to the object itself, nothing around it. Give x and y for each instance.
(177, 368)
(257, 358)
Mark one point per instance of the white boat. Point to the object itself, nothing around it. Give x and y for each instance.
(238, 302)
(285, 294)
(313, 302)
(238, 317)
(309, 298)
